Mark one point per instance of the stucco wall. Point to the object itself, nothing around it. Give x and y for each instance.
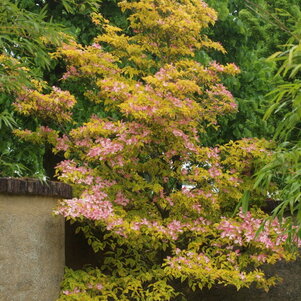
(32, 252)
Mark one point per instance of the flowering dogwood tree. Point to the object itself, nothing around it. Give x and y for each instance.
(156, 203)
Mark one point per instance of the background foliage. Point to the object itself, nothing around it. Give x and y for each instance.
(250, 32)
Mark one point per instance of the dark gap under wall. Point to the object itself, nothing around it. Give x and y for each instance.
(78, 253)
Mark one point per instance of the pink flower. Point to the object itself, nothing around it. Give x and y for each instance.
(121, 199)
(62, 143)
(96, 45)
(99, 286)
(75, 291)
(214, 172)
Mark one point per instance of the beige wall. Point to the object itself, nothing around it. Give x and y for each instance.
(32, 255)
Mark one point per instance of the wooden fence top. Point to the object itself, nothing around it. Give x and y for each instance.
(29, 186)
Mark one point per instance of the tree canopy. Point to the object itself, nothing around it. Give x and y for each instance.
(158, 203)
(149, 117)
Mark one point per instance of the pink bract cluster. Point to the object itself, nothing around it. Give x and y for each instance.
(271, 236)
